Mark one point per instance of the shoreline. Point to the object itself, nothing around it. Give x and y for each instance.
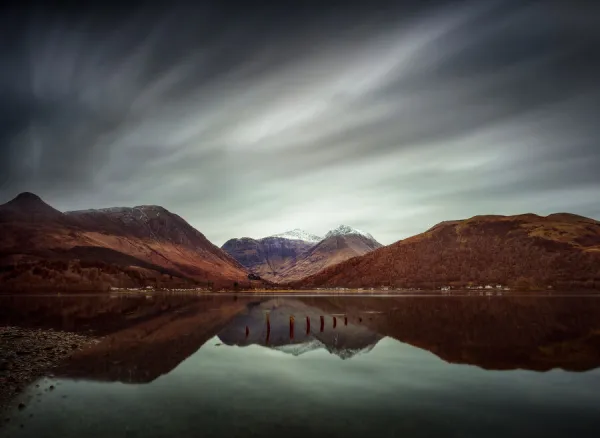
(311, 292)
(27, 354)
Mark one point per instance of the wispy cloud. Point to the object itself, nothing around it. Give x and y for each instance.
(387, 117)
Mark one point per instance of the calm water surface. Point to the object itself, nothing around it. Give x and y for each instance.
(392, 366)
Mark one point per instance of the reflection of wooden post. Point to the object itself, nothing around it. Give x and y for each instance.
(291, 326)
(334, 321)
(345, 320)
(247, 331)
(268, 329)
(307, 325)
(322, 323)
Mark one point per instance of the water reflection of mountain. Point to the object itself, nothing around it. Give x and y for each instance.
(145, 338)
(303, 334)
(537, 333)
(154, 347)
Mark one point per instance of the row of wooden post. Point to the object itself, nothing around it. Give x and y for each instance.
(292, 320)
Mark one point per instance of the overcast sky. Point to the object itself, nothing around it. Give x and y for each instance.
(250, 118)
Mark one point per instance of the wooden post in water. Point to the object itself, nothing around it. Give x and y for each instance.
(291, 326)
(345, 320)
(247, 331)
(334, 321)
(307, 325)
(322, 323)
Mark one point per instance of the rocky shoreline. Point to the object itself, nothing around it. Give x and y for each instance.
(26, 354)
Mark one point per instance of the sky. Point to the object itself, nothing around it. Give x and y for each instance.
(249, 118)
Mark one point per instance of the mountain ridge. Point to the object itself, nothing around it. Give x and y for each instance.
(148, 243)
(281, 259)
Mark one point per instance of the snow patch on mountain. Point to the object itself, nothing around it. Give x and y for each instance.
(300, 348)
(298, 234)
(126, 214)
(100, 210)
(345, 230)
(315, 344)
(348, 353)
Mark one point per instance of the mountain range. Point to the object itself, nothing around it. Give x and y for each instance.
(296, 254)
(149, 246)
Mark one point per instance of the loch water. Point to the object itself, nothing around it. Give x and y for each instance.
(305, 365)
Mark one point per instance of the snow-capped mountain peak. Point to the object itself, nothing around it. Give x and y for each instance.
(298, 234)
(344, 230)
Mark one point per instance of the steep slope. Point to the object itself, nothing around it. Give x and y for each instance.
(269, 256)
(28, 224)
(167, 237)
(101, 248)
(29, 208)
(526, 251)
(338, 245)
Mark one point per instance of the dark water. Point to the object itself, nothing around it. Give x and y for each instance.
(394, 366)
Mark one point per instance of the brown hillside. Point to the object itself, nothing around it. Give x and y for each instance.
(42, 248)
(526, 251)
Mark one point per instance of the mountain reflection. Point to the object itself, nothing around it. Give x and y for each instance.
(146, 337)
(291, 330)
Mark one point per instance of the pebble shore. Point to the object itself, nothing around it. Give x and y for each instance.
(26, 354)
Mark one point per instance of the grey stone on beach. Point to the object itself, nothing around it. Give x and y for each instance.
(27, 354)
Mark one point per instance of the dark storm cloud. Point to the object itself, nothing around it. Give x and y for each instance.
(249, 118)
